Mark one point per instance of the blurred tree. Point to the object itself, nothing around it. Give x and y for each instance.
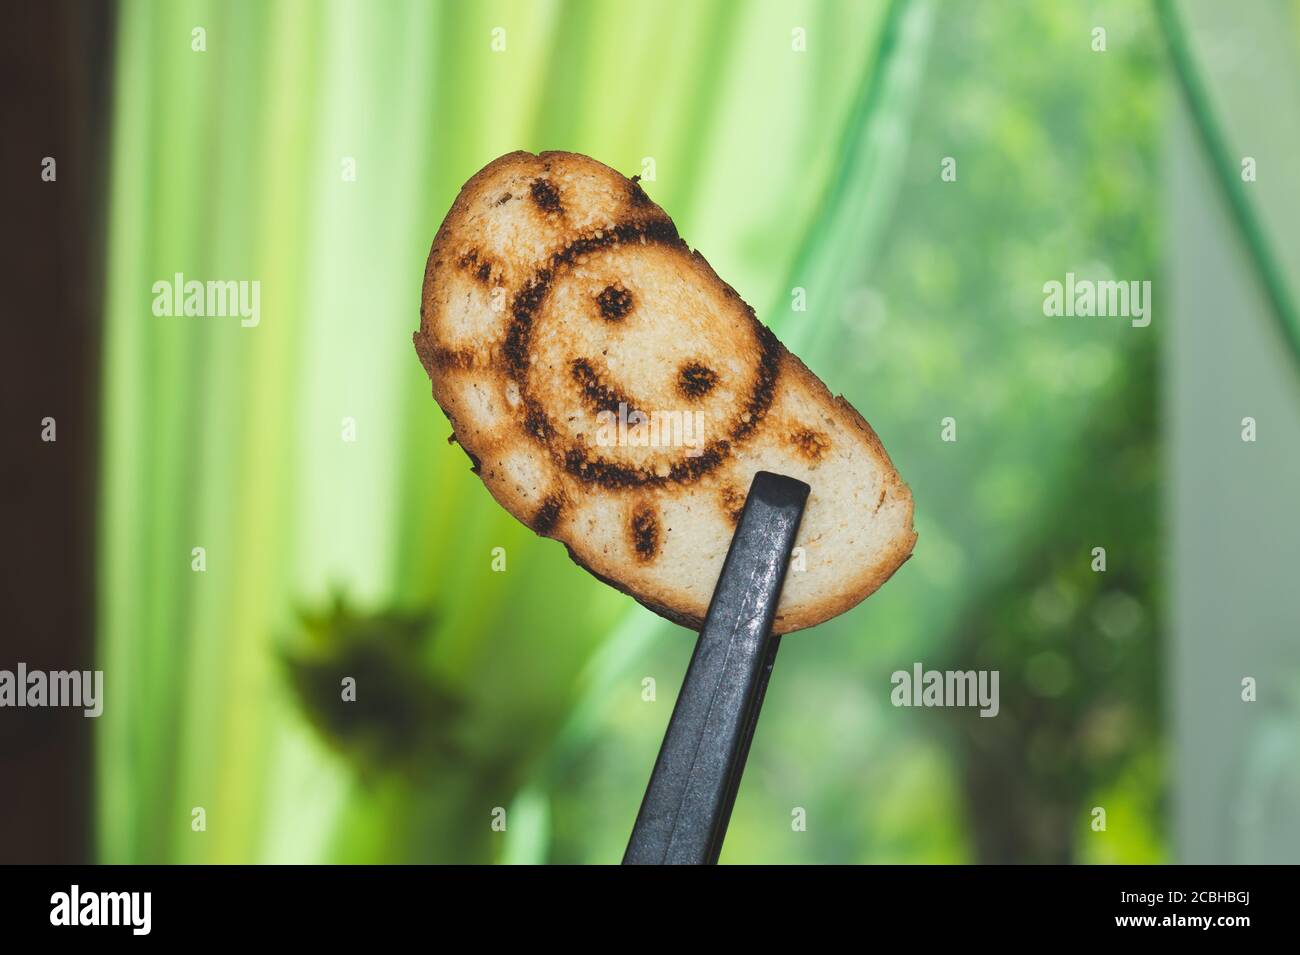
(1078, 650)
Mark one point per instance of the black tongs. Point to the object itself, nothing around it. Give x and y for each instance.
(687, 805)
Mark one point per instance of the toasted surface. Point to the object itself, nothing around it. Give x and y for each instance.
(558, 303)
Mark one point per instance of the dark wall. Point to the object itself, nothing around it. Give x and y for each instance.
(54, 73)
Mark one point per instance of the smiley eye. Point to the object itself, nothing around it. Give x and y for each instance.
(615, 302)
(695, 380)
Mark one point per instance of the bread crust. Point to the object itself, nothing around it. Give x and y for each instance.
(556, 290)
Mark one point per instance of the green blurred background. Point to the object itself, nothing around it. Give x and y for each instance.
(798, 146)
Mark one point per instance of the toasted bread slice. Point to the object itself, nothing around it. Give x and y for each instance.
(616, 395)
